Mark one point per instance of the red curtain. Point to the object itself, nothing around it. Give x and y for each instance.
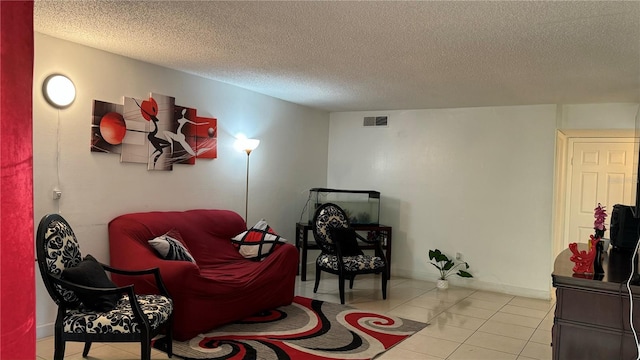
(17, 280)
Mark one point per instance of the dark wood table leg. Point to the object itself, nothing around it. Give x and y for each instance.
(298, 245)
(388, 252)
(301, 245)
(303, 275)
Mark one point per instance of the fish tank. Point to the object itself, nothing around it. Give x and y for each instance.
(362, 206)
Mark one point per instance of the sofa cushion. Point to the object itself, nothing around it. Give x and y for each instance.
(257, 242)
(170, 246)
(119, 320)
(89, 272)
(351, 263)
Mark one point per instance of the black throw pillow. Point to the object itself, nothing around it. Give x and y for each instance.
(90, 273)
(347, 239)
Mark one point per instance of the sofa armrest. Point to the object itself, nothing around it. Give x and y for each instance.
(175, 274)
(129, 251)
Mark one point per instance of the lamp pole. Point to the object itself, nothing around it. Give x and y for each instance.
(246, 145)
(246, 196)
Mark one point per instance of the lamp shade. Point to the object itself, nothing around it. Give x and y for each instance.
(244, 144)
(59, 91)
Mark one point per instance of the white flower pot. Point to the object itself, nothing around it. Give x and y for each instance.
(442, 284)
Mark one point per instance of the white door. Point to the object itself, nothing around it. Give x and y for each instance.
(600, 172)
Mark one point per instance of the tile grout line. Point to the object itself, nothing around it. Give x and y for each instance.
(530, 336)
(484, 322)
(495, 312)
(441, 312)
(474, 331)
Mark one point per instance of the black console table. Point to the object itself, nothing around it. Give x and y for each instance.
(592, 312)
(303, 244)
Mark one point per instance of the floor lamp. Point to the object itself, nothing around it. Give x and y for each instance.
(247, 145)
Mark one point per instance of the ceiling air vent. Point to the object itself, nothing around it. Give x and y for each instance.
(375, 120)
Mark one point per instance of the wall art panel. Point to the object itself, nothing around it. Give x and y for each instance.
(153, 131)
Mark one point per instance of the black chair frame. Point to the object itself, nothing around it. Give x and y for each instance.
(342, 272)
(60, 337)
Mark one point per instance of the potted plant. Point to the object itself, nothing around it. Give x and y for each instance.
(447, 267)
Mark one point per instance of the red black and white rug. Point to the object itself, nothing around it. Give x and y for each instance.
(306, 329)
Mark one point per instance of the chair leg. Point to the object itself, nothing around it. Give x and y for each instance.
(384, 284)
(353, 277)
(145, 348)
(318, 271)
(58, 352)
(341, 288)
(169, 337)
(87, 347)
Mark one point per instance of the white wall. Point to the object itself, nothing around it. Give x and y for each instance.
(598, 116)
(478, 181)
(96, 187)
(475, 180)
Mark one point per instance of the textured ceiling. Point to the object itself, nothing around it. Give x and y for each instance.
(340, 56)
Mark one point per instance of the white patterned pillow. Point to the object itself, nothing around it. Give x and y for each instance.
(171, 247)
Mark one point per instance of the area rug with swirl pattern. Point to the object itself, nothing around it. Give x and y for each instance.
(306, 329)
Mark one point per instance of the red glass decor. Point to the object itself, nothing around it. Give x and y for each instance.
(584, 259)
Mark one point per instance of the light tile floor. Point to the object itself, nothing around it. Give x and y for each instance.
(464, 323)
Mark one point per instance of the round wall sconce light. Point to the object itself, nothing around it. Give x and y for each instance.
(59, 91)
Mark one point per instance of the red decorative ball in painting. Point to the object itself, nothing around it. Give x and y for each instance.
(112, 128)
(149, 108)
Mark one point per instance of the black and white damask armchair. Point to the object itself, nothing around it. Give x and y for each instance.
(341, 254)
(90, 307)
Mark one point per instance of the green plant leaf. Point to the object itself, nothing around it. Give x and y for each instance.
(432, 254)
(437, 266)
(448, 265)
(437, 255)
(464, 274)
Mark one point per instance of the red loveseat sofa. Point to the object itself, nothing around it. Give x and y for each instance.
(222, 286)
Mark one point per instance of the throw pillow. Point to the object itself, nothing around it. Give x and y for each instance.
(170, 246)
(257, 242)
(347, 239)
(89, 272)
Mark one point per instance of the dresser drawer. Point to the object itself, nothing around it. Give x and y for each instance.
(596, 308)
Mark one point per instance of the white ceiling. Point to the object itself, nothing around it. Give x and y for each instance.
(340, 56)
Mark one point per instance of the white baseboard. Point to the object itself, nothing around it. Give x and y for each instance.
(43, 331)
(467, 283)
(477, 284)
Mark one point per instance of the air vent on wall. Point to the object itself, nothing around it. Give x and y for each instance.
(375, 121)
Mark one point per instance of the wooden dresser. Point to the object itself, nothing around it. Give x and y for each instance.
(592, 315)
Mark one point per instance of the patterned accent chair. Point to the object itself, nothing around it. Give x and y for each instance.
(134, 318)
(340, 253)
